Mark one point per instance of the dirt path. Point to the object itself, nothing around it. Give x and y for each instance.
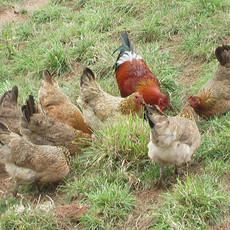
(12, 14)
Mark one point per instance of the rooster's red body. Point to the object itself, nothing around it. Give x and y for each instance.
(133, 75)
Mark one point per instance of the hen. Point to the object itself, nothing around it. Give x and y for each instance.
(133, 75)
(44, 130)
(27, 163)
(58, 106)
(10, 113)
(173, 140)
(98, 106)
(214, 96)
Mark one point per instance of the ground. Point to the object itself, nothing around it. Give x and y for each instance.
(142, 215)
(10, 14)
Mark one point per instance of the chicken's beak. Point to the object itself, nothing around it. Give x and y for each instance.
(142, 102)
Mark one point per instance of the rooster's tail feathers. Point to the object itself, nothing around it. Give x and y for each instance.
(223, 54)
(87, 75)
(126, 45)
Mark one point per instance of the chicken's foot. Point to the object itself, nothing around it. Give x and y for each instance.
(15, 191)
(176, 170)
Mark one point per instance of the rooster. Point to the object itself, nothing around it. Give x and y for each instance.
(214, 96)
(97, 105)
(173, 140)
(133, 75)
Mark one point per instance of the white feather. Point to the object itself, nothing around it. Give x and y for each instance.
(128, 56)
(176, 154)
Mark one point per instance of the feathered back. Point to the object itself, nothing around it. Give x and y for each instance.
(10, 97)
(223, 54)
(187, 112)
(3, 128)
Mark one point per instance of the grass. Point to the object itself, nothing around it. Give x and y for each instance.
(9, 2)
(108, 205)
(19, 215)
(193, 204)
(177, 39)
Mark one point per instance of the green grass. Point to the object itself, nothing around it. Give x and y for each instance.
(9, 2)
(21, 214)
(194, 204)
(177, 39)
(108, 205)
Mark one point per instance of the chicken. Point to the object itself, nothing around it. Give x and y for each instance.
(133, 75)
(58, 106)
(97, 105)
(10, 113)
(43, 130)
(214, 96)
(27, 163)
(173, 140)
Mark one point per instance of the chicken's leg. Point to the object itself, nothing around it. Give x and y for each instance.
(160, 182)
(15, 191)
(176, 170)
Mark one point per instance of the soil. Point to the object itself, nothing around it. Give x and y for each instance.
(12, 14)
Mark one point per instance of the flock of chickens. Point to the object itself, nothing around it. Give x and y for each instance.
(37, 140)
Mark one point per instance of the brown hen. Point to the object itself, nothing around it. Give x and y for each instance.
(214, 96)
(44, 130)
(27, 163)
(97, 105)
(57, 105)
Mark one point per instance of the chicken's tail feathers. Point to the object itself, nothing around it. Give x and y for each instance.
(47, 77)
(150, 114)
(87, 75)
(29, 108)
(10, 96)
(125, 46)
(223, 54)
(15, 93)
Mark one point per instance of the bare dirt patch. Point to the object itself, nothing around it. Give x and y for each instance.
(12, 14)
(71, 211)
